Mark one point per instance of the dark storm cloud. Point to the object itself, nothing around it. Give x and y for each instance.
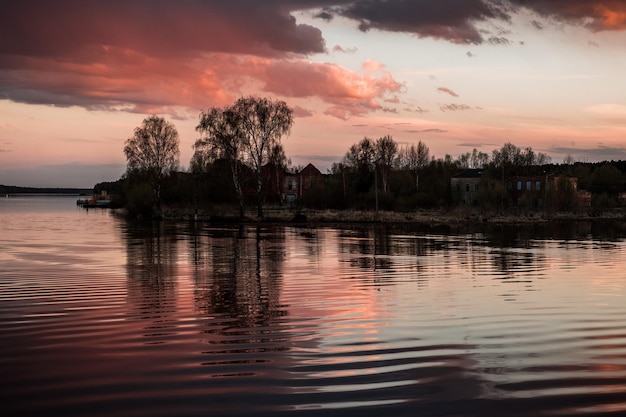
(452, 20)
(166, 27)
(457, 20)
(597, 15)
(159, 27)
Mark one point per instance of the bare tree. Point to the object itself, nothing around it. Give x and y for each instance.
(385, 153)
(464, 160)
(262, 123)
(221, 138)
(512, 156)
(414, 158)
(361, 155)
(279, 159)
(479, 159)
(507, 155)
(153, 151)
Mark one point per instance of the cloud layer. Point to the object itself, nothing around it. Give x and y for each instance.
(163, 55)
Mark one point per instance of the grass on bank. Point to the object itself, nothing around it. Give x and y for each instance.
(449, 216)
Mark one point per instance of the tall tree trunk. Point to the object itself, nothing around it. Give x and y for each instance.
(383, 175)
(156, 185)
(278, 187)
(259, 197)
(234, 168)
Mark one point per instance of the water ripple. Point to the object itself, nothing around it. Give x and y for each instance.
(190, 320)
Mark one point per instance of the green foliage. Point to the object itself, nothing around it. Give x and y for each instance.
(583, 173)
(603, 200)
(140, 199)
(324, 194)
(110, 187)
(607, 179)
(564, 197)
(491, 193)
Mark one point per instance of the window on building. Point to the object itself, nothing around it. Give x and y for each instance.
(537, 185)
(528, 186)
(290, 185)
(475, 187)
(519, 186)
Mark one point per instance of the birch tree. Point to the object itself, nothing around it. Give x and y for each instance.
(386, 150)
(153, 151)
(262, 123)
(221, 138)
(414, 158)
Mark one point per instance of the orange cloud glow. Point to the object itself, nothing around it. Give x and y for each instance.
(612, 18)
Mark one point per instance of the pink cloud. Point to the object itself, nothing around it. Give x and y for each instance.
(348, 93)
(159, 54)
(447, 91)
(372, 66)
(127, 80)
(302, 112)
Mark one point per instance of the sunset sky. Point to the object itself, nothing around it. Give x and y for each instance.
(76, 77)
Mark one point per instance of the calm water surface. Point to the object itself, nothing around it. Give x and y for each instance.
(100, 316)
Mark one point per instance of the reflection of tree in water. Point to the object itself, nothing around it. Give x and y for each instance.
(243, 280)
(386, 253)
(151, 268)
(367, 247)
(516, 264)
(313, 240)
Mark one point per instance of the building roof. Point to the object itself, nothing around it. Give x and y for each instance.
(310, 169)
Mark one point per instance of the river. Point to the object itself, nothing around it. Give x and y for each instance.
(102, 316)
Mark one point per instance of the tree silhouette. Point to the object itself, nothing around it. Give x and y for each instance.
(262, 123)
(414, 158)
(153, 152)
(386, 150)
(278, 158)
(221, 139)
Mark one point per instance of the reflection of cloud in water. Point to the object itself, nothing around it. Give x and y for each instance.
(373, 320)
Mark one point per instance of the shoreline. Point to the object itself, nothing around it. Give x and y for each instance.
(441, 217)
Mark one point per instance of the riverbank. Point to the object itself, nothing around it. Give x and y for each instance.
(450, 217)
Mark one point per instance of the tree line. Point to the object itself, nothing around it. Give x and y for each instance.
(240, 150)
(244, 136)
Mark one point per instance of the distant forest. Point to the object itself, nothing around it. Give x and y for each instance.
(12, 189)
